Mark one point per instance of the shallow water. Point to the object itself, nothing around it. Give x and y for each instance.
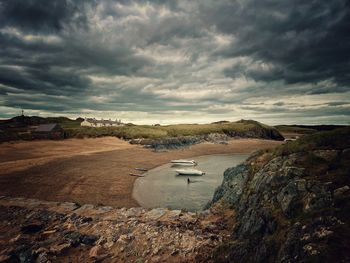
(161, 187)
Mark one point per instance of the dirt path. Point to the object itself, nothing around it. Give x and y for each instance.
(91, 170)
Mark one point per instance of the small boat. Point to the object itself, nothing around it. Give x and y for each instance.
(141, 169)
(184, 162)
(189, 172)
(138, 175)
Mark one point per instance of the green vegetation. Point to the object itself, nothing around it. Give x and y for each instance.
(64, 122)
(294, 129)
(335, 139)
(306, 129)
(125, 132)
(241, 128)
(19, 128)
(338, 139)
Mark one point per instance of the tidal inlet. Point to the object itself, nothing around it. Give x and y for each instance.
(174, 131)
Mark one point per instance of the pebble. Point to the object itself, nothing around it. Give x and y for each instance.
(49, 232)
(94, 251)
(154, 214)
(60, 249)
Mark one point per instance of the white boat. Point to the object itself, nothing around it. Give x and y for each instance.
(190, 172)
(184, 162)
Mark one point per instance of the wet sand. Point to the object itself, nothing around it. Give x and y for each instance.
(92, 171)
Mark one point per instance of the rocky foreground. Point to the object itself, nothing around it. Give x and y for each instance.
(38, 231)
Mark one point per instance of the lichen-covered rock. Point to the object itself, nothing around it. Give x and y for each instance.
(293, 206)
(288, 198)
(233, 184)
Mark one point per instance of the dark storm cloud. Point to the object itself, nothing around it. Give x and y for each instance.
(51, 63)
(242, 58)
(51, 82)
(37, 15)
(306, 41)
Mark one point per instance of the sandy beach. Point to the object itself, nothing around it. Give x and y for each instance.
(92, 171)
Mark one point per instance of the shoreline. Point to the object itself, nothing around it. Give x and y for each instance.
(151, 191)
(69, 171)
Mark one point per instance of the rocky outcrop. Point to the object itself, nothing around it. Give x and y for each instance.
(173, 143)
(289, 208)
(39, 231)
(234, 182)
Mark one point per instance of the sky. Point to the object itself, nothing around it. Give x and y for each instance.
(199, 61)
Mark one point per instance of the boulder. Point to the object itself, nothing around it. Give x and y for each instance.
(88, 239)
(155, 213)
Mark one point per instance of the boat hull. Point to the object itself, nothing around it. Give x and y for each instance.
(184, 162)
(189, 172)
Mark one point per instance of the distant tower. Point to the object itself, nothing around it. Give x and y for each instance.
(22, 113)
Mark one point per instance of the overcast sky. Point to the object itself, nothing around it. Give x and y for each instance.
(177, 61)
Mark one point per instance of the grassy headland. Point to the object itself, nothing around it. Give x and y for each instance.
(337, 139)
(243, 128)
(306, 129)
(19, 128)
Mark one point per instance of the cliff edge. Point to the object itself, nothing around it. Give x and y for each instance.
(292, 203)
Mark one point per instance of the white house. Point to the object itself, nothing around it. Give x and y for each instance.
(92, 122)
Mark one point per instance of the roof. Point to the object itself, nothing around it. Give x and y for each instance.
(101, 121)
(46, 127)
